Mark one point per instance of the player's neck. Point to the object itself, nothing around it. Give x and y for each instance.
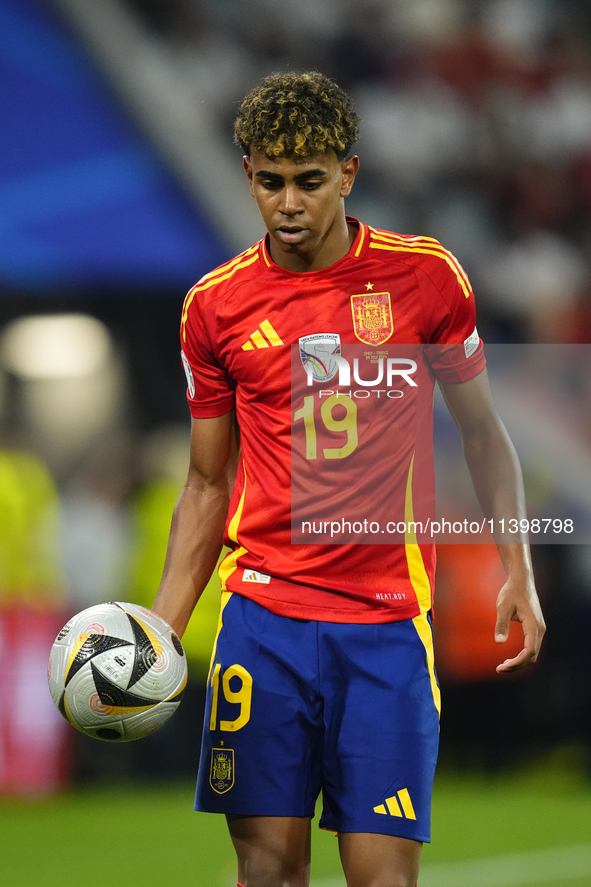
(334, 247)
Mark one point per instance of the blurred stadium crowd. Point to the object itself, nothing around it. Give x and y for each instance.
(476, 129)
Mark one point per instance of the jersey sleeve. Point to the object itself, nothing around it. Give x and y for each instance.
(455, 350)
(210, 388)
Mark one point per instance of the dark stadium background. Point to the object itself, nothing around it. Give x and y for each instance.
(119, 188)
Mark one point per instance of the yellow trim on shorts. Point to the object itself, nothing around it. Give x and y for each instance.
(423, 627)
(226, 595)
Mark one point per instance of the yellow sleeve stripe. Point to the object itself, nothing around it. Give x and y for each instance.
(212, 282)
(248, 260)
(418, 240)
(426, 245)
(432, 252)
(228, 265)
(401, 238)
(187, 302)
(220, 273)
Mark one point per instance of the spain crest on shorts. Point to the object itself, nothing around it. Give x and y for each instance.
(221, 774)
(372, 317)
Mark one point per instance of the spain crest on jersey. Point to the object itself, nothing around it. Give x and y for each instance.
(372, 317)
(221, 774)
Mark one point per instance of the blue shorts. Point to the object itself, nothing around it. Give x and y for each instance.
(296, 707)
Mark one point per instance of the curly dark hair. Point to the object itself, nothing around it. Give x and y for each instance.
(297, 114)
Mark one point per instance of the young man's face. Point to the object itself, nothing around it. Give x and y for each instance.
(301, 202)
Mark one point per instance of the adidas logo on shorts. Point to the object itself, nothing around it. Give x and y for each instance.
(393, 805)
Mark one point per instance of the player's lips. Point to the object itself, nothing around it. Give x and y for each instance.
(291, 233)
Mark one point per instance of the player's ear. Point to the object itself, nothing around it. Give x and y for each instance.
(349, 169)
(247, 164)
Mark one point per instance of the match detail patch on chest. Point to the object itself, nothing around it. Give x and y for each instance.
(372, 317)
(317, 353)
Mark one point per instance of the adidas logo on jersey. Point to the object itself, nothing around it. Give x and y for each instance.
(399, 804)
(255, 576)
(263, 339)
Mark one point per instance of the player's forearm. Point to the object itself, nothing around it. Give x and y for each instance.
(498, 483)
(193, 549)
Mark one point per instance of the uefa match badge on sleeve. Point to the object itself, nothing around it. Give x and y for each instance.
(471, 343)
(188, 374)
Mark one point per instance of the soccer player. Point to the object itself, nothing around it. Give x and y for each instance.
(322, 676)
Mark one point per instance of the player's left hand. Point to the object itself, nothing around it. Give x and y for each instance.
(519, 602)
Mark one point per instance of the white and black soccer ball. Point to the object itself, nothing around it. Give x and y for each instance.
(117, 671)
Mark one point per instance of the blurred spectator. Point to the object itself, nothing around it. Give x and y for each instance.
(481, 712)
(30, 572)
(95, 524)
(33, 736)
(476, 125)
(535, 279)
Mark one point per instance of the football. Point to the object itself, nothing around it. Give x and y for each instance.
(117, 671)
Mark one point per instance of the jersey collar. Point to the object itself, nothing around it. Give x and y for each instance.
(358, 248)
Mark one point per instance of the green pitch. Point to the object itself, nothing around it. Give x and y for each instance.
(134, 835)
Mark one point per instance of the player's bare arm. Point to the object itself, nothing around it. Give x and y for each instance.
(198, 520)
(496, 475)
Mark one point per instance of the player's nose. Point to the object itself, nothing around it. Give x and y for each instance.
(290, 200)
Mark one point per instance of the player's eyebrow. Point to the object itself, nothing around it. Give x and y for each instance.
(301, 177)
(310, 174)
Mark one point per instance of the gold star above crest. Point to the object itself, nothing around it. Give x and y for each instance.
(369, 286)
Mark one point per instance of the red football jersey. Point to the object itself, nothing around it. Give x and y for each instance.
(332, 379)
